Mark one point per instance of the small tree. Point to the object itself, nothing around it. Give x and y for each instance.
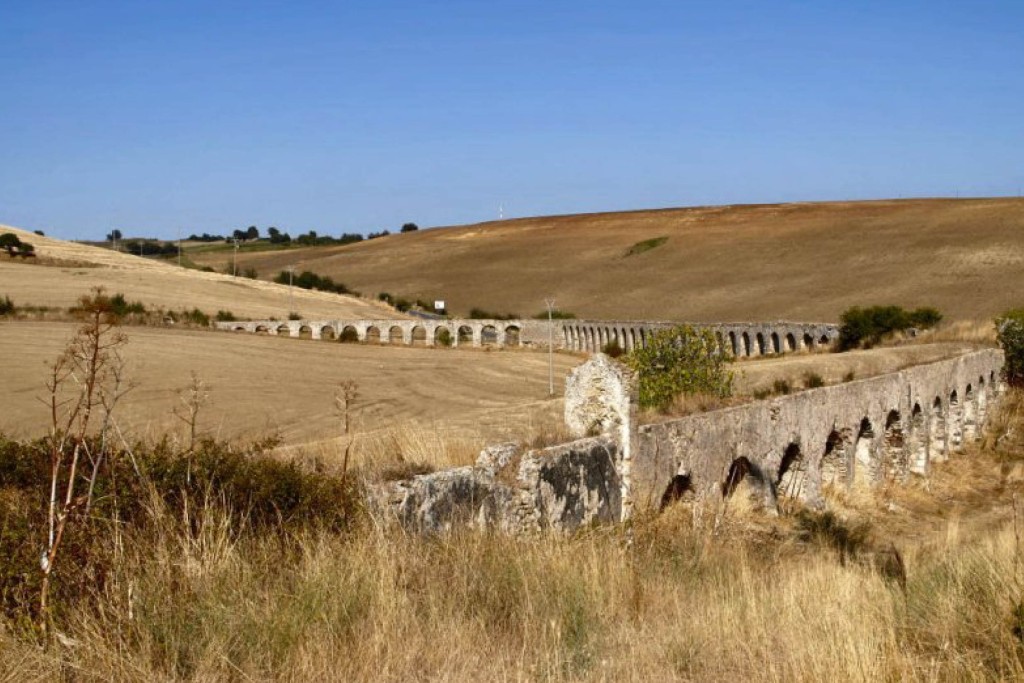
(86, 380)
(410, 227)
(191, 400)
(680, 360)
(7, 306)
(253, 233)
(1010, 331)
(113, 235)
(10, 242)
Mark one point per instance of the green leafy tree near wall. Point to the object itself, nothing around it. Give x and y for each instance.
(680, 360)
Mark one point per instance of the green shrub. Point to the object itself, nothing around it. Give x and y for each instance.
(444, 337)
(121, 307)
(813, 380)
(646, 245)
(225, 316)
(257, 491)
(782, 387)
(310, 280)
(250, 273)
(7, 306)
(195, 317)
(924, 318)
(555, 315)
(482, 314)
(680, 360)
(850, 376)
(348, 336)
(865, 327)
(1010, 332)
(612, 349)
(294, 315)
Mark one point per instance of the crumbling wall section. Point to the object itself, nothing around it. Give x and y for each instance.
(601, 399)
(560, 488)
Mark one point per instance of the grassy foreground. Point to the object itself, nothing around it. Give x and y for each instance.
(196, 592)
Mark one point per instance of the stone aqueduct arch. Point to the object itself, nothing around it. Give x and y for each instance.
(738, 339)
(856, 435)
(408, 332)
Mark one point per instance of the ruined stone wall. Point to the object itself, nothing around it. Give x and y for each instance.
(857, 434)
(561, 488)
(860, 434)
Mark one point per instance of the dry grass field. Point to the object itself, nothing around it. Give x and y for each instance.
(66, 270)
(804, 261)
(705, 591)
(265, 385)
(920, 583)
(261, 386)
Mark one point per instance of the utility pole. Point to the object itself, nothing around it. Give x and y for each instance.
(291, 272)
(179, 247)
(234, 262)
(550, 303)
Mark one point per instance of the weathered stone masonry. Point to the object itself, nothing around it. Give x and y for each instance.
(860, 434)
(740, 339)
(854, 435)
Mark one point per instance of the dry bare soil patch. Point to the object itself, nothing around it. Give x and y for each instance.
(801, 261)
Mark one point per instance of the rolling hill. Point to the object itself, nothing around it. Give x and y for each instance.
(65, 270)
(800, 261)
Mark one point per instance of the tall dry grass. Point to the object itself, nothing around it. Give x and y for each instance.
(674, 604)
(973, 331)
(687, 595)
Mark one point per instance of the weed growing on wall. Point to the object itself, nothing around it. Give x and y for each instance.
(680, 360)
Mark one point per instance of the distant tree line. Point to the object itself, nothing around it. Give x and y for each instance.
(150, 247)
(276, 236)
(310, 280)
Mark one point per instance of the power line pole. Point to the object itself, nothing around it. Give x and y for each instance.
(550, 303)
(291, 271)
(234, 262)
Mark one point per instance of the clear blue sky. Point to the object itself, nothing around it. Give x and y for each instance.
(155, 117)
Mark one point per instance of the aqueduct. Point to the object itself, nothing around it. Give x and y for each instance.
(859, 435)
(741, 339)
